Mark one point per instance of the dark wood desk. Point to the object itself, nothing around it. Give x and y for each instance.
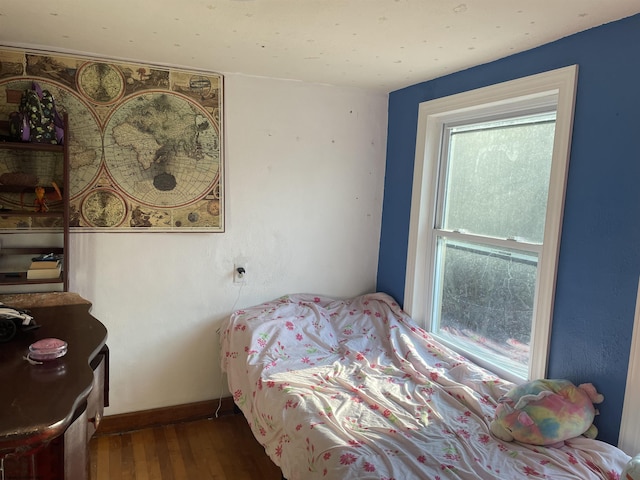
(49, 412)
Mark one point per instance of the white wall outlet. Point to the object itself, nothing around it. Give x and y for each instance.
(240, 273)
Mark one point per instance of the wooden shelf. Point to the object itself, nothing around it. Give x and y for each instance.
(24, 189)
(31, 146)
(27, 213)
(31, 251)
(19, 275)
(20, 278)
(17, 241)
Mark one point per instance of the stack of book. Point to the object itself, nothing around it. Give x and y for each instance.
(44, 269)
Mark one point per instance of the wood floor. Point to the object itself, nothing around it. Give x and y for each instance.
(220, 448)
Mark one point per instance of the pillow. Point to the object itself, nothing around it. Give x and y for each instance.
(546, 412)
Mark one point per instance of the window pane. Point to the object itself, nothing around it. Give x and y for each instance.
(498, 178)
(484, 301)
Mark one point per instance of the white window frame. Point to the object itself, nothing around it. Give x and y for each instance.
(629, 437)
(556, 87)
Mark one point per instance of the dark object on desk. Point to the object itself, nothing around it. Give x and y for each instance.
(8, 330)
(13, 320)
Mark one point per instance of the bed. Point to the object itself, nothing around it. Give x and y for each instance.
(354, 389)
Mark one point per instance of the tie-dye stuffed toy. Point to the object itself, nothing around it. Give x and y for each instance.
(546, 412)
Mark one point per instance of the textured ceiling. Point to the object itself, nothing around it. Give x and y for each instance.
(380, 45)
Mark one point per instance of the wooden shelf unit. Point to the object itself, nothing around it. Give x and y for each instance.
(48, 152)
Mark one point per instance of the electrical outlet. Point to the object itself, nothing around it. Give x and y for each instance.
(240, 274)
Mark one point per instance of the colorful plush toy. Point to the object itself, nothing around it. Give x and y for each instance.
(546, 412)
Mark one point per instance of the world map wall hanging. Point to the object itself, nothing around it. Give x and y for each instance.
(145, 142)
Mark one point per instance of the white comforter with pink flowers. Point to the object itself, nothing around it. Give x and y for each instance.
(353, 389)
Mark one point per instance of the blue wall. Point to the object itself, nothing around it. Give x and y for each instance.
(600, 251)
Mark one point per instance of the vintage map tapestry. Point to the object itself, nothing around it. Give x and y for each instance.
(145, 142)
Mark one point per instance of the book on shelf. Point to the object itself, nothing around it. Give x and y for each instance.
(44, 264)
(44, 273)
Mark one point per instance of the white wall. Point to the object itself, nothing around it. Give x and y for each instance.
(304, 184)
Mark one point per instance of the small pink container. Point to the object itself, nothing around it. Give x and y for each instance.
(47, 349)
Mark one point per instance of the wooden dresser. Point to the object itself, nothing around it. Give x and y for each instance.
(48, 412)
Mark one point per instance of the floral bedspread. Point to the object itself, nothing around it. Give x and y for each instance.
(354, 389)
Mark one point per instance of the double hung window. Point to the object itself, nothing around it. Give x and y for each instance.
(486, 218)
